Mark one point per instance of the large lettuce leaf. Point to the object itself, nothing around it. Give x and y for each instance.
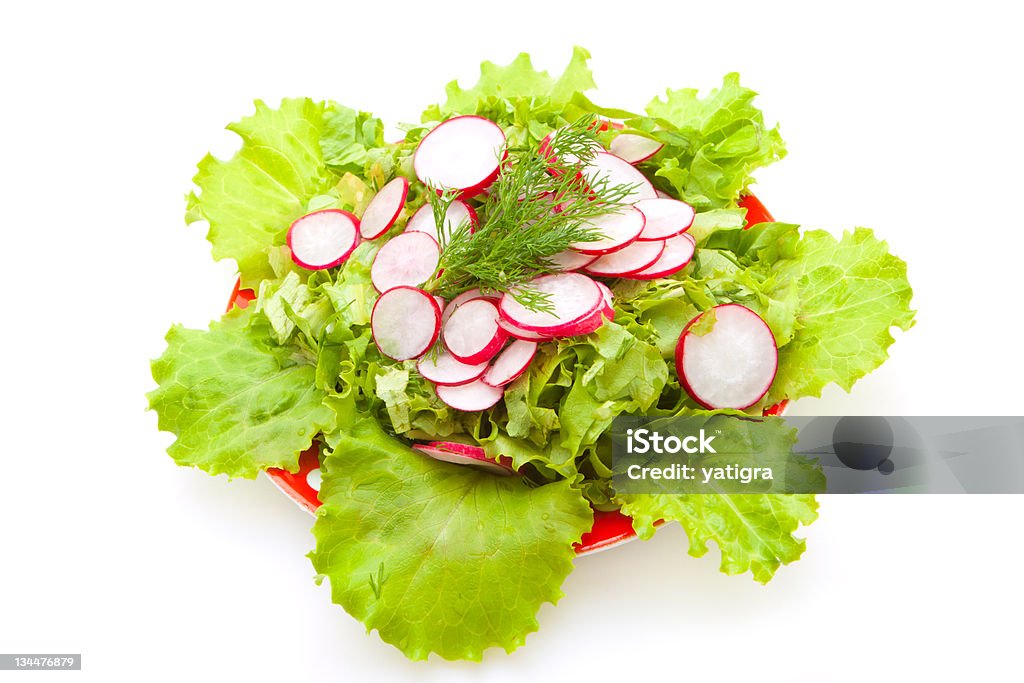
(437, 557)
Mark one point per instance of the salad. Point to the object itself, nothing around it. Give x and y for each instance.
(454, 320)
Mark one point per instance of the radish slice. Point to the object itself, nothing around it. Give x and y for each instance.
(472, 334)
(382, 211)
(573, 297)
(405, 322)
(634, 258)
(663, 195)
(733, 365)
(520, 333)
(468, 295)
(510, 363)
(440, 304)
(619, 172)
(585, 326)
(678, 252)
(608, 309)
(408, 259)
(461, 454)
(323, 239)
(463, 153)
(618, 230)
(470, 398)
(447, 370)
(570, 260)
(634, 148)
(458, 213)
(665, 218)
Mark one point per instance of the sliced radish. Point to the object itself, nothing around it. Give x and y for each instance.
(323, 239)
(678, 252)
(619, 172)
(618, 229)
(634, 258)
(405, 322)
(446, 370)
(520, 333)
(546, 149)
(573, 297)
(663, 195)
(382, 211)
(472, 334)
(461, 454)
(665, 218)
(608, 310)
(468, 295)
(510, 363)
(408, 259)
(458, 212)
(570, 260)
(441, 304)
(583, 327)
(634, 148)
(733, 365)
(463, 153)
(470, 398)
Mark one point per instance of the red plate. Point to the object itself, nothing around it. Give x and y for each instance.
(610, 527)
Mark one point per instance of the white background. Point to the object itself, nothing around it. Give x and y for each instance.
(906, 119)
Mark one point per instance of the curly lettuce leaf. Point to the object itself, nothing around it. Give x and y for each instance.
(438, 557)
(713, 144)
(347, 138)
(251, 199)
(237, 403)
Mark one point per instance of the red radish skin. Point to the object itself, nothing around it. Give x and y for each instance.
(470, 398)
(623, 263)
(664, 218)
(445, 452)
(384, 209)
(467, 449)
(519, 333)
(733, 365)
(462, 153)
(405, 322)
(618, 230)
(583, 327)
(458, 212)
(510, 363)
(608, 310)
(323, 239)
(409, 259)
(574, 297)
(619, 172)
(677, 255)
(570, 260)
(634, 148)
(472, 334)
(446, 370)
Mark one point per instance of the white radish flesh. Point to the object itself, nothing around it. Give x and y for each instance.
(665, 218)
(617, 230)
(458, 212)
(616, 171)
(468, 295)
(446, 370)
(635, 257)
(510, 363)
(463, 153)
(472, 334)
(678, 252)
(608, 310)
(460, 454)
(409, 259)
(573, 297)
(382, 211)
(405, 322)
(570, 260)
(520, 333)
(470, 398)
(733, 365)
(323, 239)
(634, 148)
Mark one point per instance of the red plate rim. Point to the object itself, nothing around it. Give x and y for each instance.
(610, 527)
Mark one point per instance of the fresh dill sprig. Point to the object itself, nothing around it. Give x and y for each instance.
(541, 203)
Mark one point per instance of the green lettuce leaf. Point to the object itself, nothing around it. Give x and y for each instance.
(237, 403)
(438, 557)
(347, 138)
(851, 293)
(251, 199)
